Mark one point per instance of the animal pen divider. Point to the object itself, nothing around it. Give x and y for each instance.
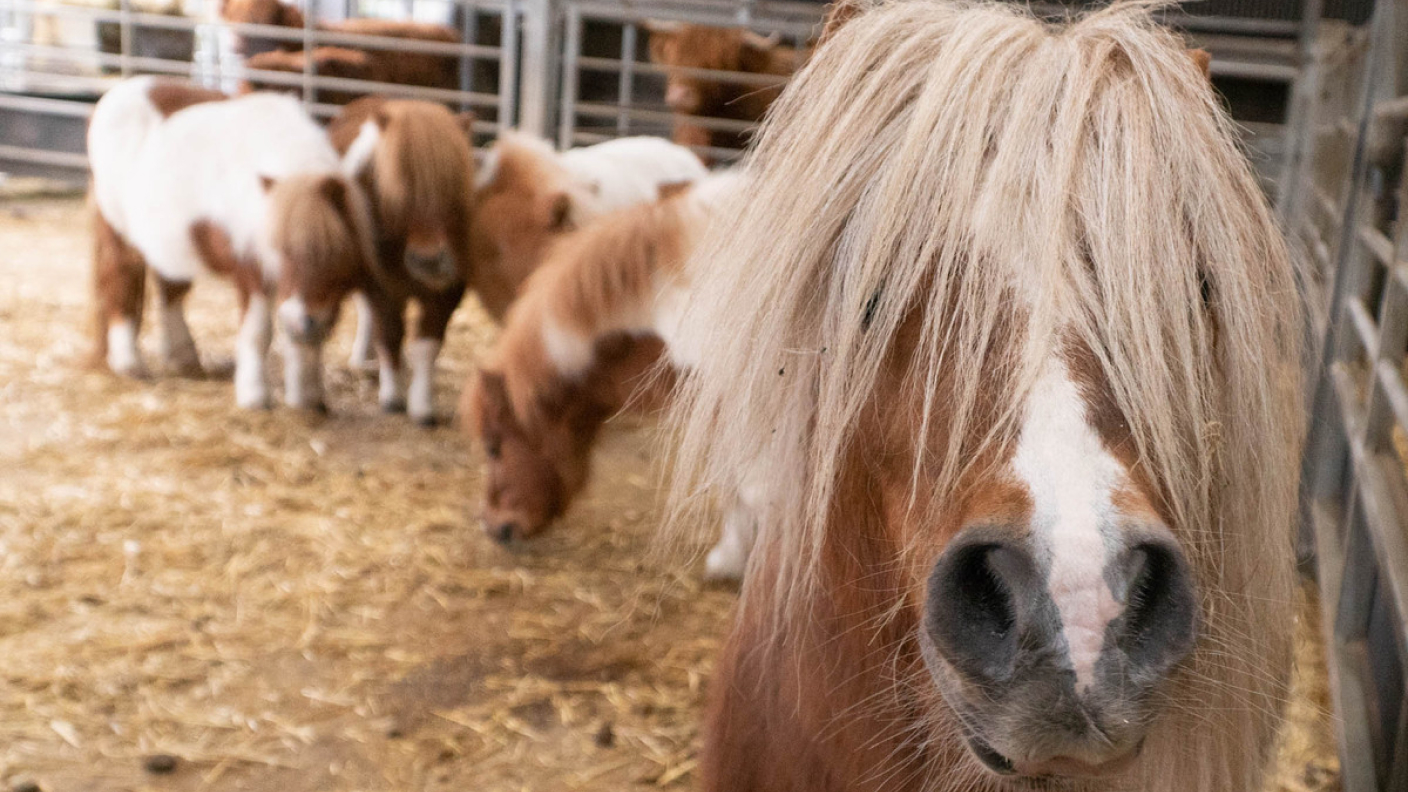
(1347, 191)
(57, 58)
(610, 89)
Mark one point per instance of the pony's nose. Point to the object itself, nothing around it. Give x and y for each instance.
(982, 596)
(433, 267)
(992, 612)
(503, 531)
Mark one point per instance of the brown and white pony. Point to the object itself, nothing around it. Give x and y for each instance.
(413, 159)
(578, 346)
(527, 195)
(248, 189)
(680, 47)
(1022, 369)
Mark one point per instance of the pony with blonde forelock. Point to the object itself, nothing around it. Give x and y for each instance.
(1009, 325)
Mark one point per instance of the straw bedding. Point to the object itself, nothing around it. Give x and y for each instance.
(285, 602)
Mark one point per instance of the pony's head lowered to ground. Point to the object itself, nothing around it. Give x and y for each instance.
(1021, 365)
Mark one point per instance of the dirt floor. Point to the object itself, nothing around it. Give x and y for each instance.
(194, 597)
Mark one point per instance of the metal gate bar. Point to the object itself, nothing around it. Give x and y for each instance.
(1347, 207)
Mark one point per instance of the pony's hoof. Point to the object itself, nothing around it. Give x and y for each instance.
(427, 421)
(134, 370)
(259, 401)
(393, 406)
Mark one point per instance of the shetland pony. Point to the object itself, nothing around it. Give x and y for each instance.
(1022, 371)
(413, 160)
(679, 47)
(245, 188)
(527, 195)
(577, 346)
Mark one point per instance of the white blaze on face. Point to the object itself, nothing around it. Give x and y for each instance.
(1071, 478)
(362, 148)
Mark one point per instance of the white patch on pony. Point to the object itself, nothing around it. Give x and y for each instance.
(627, 171)
(123, 356)
(359, 154)
(1071, 479)
(303, 374)
(154, 178)
(251, 348)
(361, 357)
(486, 170)
(420, 399)
(570, 352)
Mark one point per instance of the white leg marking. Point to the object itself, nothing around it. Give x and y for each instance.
(123, 356)
(1071, 477)
(303, 374)
(251, 385)
(390, 393)
(361, 357)
(421, 397)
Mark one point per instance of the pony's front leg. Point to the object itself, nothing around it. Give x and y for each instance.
(303, 375)
(361, 357)
(390, 327)
(178, 348)
(430, 337)
(251, 350)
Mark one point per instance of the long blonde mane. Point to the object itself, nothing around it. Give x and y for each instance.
(934, 159)
(423, 167)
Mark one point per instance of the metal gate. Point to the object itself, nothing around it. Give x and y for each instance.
(57, 57)
(1346, 204)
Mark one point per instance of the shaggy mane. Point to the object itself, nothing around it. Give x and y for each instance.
(422, 169)
(946, 160)
(594, 282)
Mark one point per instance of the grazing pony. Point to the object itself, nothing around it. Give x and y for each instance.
(1022, 369)
(679, 47)
(248, 189)
(413, 160)
(527, 195)
(577, 347)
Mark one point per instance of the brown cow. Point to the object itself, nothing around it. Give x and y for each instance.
(402, 68)
(723, 49)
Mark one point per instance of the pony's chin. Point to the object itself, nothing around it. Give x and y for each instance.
(1052, 773)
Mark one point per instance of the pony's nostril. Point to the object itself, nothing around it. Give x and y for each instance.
(1160, 619)
(504, 532)
(976, 595)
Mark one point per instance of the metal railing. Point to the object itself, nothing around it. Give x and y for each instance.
(1346, 207)
(48, 88)
(609, 89)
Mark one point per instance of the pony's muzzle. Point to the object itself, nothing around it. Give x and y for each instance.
(436, 270)
(1040, 686)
